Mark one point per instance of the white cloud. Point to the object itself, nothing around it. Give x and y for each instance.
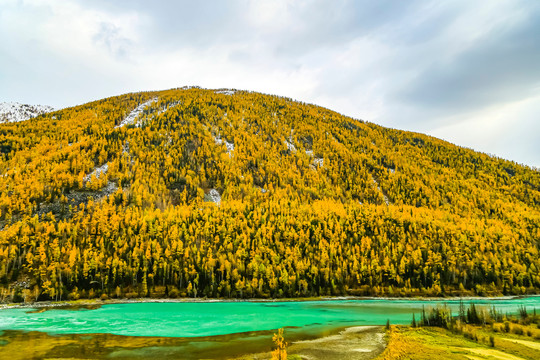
(442, 68)
(508, 130)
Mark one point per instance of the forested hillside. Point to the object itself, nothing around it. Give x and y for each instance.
(222, 193)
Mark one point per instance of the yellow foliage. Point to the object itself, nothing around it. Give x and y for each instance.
(309, 202)
(280, 352)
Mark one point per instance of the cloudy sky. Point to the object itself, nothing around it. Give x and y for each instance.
(465, 71)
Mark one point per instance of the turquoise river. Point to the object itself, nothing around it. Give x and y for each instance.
(201, 323)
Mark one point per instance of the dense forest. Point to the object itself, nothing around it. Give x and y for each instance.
(234, 194)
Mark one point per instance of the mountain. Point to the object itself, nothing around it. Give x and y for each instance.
(227, 193)
(13, 111)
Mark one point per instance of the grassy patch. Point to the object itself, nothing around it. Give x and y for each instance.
(474, 343)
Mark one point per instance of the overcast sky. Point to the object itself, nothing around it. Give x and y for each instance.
(465, 71)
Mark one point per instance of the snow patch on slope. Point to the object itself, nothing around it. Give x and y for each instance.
(97, 172)
(290, 146)
(14, 112)
(213, 196)
(290, 142)
(386, 201)
(318, 162)
(168, 106)
(109, 189)
(225, 91)
(135, 113)
(230, 146)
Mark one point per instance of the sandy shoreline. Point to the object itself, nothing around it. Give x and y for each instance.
(354, 343)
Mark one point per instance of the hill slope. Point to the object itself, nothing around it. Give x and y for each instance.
(222, 193)
(13, 112)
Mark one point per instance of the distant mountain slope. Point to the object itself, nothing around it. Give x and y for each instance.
(13, 111)
(226, 193)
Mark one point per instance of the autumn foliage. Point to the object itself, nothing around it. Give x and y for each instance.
(312, 203)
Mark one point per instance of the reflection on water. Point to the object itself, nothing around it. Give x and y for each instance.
(23, 345)
(65, 307)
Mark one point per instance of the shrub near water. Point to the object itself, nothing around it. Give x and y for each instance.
(280, 352)
(472, 320)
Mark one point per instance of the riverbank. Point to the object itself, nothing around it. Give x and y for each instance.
(475, 343)
(95, 303)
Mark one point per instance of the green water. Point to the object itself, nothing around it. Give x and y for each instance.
(202, 319)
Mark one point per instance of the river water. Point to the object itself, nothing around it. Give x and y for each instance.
(196, 321)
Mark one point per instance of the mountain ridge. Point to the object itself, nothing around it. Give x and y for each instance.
(228, 193)
(15, 112)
